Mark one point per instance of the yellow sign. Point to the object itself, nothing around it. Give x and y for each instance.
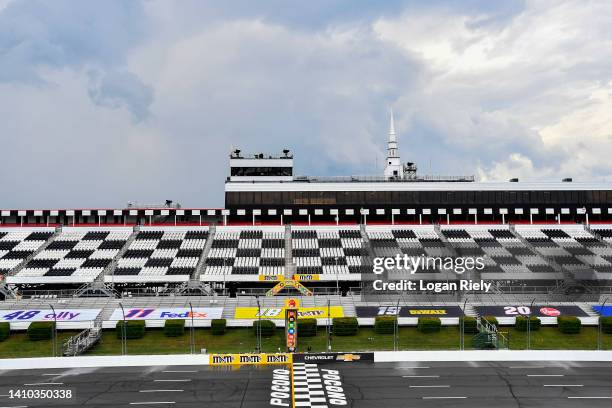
(279, 313)
(436, 312)
(307, 277)
(289, 284)
(249, 359)
(271, 278)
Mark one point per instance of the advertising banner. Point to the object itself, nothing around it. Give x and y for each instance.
(46, 315)
(307, 277)
(321, 358)
(409, 311)
(163, 313)
(538, 311)
(249, 359)
(272, 278)
(603, 311)
(279, 313)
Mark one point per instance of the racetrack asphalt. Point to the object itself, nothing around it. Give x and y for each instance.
(364, 385)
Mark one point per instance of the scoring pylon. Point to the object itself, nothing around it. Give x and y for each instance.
(291, 329)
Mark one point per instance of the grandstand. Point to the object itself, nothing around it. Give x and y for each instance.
(546, 238)
(247, 259)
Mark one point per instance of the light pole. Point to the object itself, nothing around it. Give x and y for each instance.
(462, 327)
(396, 327)
(224, 276)
(599, 324)
(123, 333)
(192, 335)
(337, 285)
(529, 325)
(329, 347)
(54, 330)
(258, 331)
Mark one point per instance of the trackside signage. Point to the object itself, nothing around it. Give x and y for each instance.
(46, 315)
(321, 358)
(538, 311)
(152, 313)
(279, 313)
(249, 359)
(408, 311)
(603, 310)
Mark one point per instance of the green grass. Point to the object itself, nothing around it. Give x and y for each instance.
(550, 338)
(18, 345)
(243, 340)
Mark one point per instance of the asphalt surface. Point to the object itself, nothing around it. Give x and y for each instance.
(367, 385)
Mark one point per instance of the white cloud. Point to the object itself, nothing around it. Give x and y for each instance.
(4, 4)
(515, 165)
(527, 95)
(538, 83)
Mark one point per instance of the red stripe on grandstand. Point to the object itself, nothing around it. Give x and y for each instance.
(296, 223)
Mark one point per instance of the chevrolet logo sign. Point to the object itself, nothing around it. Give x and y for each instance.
(348, 357)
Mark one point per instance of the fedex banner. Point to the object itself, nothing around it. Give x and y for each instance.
(46, 315)
(538, 311)
(163, 313)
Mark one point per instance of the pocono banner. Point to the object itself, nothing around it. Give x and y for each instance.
(409, 311)
(279, 313)
(151, 313)
(46, 315)
(538, 311)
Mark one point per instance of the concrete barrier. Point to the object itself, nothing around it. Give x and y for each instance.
(103, 361)
(493, 355)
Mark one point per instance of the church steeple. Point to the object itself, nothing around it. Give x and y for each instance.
(393, 166)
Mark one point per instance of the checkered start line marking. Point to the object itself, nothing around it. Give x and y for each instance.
(317, 387)
(307, 385)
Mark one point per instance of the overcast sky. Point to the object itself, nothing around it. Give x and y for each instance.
(107, 102)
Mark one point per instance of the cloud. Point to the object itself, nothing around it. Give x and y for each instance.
(510, 88)
(120, 89)
(263, 87)
(4, 4)
(142, 101)
(38, 36)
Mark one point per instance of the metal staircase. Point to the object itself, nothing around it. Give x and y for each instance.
(96, 287)
(201, 266)
(7, 291)
(79, 344)
(289, 266)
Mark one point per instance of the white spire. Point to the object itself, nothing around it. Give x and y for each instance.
(392, 129)
(392, 145)
(393, 167)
